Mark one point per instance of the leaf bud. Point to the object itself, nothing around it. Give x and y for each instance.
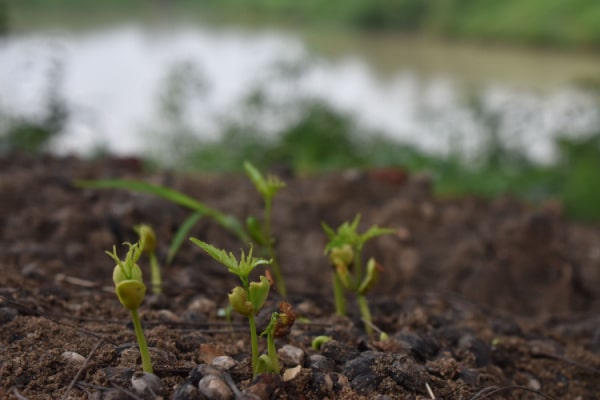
(147, 238)
(342, 255)
(238, 298)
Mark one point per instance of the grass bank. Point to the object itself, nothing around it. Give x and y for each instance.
(557, 23)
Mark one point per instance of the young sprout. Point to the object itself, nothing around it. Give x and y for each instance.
(319, 341)
(148, 245)
(344, 250)
(261, 233)
(280, 325)
(130, 290)
(249, 298)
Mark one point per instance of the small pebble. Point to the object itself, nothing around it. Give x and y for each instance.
(263, 387)
(187, 391)
(225, 362)
(322, 384)
(291, 356)
(321, 363)
(73, 356)
(204, 306)
(203, 370)
(168, 316)
(145, 383)
(534, 383)
(291, 373)
(118, 375)
(214, 388)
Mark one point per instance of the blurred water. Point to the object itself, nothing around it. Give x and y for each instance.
(118, 82)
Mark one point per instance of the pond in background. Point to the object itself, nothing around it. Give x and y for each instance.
(128, 85)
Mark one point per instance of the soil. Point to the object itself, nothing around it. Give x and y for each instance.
(491, 299)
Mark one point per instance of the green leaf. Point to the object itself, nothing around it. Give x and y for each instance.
(248, 263)
(131, 293)
(227, 221)
(265, 365)
(259, 292)
(269, 187)
(238, 298)
(181, 234)
(227, 259)
(147, 237)
(255, 231)
(127, 269)
(374, 231)
(256, 177)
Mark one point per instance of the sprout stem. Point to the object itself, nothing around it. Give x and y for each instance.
(271, 248)
(155, 274)
(254, 343)
(340, 299)
(272, 352)
(365, 313)
(139, 333)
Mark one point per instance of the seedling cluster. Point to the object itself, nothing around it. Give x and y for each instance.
(345, 254)
(248, 299)
(344, 251)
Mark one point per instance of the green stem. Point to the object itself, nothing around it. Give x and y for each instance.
(272, 352)
(365, 312)
(281, 288)
(340, 298)
(139, 333)
(254, 343)
(277, 272)
(155, 274)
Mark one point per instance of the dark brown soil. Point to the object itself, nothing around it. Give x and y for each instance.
(481, 299)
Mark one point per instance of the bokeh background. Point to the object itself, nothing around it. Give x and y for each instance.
(489, 97)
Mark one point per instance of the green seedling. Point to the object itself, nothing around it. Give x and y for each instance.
(344, 250)
(249, 298)
(130, 290)
(383, 336)
(148, 245)
(261, 233)
(279, 325)
(319, 341)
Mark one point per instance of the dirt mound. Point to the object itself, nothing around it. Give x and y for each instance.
(475, 294)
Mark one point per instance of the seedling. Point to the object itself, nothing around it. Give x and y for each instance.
(319, 341)
(148, 245)
(280, 325)
(345, 254)
(249, 298)
(261, 233)
(130, 290)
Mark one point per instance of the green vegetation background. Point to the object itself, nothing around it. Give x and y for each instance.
(324, 139)
(567, 23)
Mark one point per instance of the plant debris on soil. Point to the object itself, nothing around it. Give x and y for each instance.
(481, 299)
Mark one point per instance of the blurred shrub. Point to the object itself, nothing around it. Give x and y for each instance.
(578, 172)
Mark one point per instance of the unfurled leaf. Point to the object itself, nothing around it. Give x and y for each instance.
(258, 293)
